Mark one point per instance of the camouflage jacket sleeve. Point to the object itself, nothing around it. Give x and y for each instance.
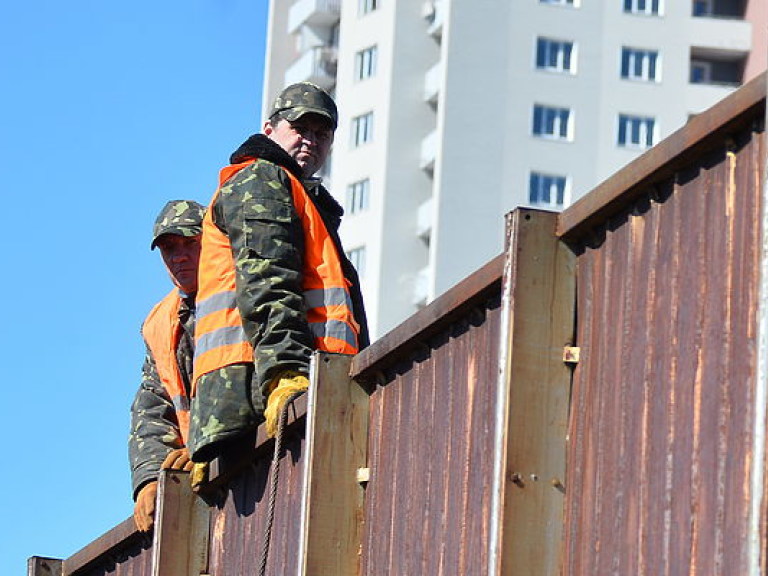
(255, 210)
(154, 428)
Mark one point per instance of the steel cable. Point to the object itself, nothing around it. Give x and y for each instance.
(273, 478)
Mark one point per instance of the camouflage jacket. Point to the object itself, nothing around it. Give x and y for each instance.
(254, 209)
(154, 427)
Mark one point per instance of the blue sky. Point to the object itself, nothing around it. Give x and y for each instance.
(107, 110)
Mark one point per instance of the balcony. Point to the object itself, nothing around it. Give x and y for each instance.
(428, 152)
(316, 65)
(721, 39)
(716, 69)
(313, 13)
(424, 217)
(433, 13)
(421, 284)
(432, 84)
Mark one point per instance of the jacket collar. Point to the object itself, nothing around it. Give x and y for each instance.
(259, 146)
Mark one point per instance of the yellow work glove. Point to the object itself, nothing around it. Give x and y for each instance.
(199, 475)
(280, 389)
(144, 509)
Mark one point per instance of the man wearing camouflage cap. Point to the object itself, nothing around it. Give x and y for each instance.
(160, 410)
(275, 283)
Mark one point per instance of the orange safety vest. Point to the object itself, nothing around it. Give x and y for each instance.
(162, 332)
(220, 339)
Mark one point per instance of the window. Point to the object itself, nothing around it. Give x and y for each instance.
(702, 8)
(636, 131)
(561, 2)
(648, 7)
(552, 122)
(639, 64)
(366, 6)
(547, 190)
(357, 196)
(554, 55)
(701, 72)
(357, 257)
(362, 129)
(365, 63)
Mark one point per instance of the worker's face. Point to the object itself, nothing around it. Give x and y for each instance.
(181, 255)
(307, 140)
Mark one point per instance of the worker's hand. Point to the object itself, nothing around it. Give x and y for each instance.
(144, 509)
(280, 389)
(177, 460)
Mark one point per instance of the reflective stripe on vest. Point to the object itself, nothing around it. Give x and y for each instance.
(335, 329)
(329, 328)
(330, 297)
(220, 339)
(162, 331)
(213, 335)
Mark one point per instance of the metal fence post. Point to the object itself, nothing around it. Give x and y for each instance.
(39, 566)
(337, 429)
(181, 535)
(538, 299)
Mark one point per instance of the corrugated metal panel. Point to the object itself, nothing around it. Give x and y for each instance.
(120, 552)
(238, 524)
(430, 452)
(137, 562)
(662, 414)
(663, 438)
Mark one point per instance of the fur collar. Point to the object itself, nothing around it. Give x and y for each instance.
(259, 146)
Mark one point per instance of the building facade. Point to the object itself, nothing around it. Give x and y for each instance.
(453, 112)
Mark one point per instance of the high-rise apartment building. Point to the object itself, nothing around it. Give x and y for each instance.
(453, 112)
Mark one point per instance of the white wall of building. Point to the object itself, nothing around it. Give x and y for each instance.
(426, 229)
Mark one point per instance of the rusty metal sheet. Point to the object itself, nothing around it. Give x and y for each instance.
(429, 321)
(238, 523)
(430, 451)
(662, 423)
(123, 551)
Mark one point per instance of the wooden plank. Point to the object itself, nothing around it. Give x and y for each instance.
(660, 162)
(337, 436)
(539, 284)
(180, 546)
(39, 566)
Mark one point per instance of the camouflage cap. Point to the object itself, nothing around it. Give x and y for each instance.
(304, 98)
(182, 217)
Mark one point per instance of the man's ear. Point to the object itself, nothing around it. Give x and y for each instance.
(268, 128)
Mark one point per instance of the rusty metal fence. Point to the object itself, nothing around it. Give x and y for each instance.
(666, 431)
(399, 460)
(589, 402)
